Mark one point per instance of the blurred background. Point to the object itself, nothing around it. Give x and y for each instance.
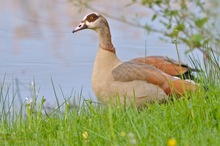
(37, 44)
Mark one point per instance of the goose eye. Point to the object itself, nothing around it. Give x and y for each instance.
(91, 17)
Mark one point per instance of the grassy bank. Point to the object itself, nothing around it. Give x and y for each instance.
(193, 121)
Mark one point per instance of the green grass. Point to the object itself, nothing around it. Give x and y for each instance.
(193, 121)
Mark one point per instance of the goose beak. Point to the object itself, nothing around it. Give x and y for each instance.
(81, 26)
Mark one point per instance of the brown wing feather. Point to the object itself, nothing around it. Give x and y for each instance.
(167, 65)
(130, 71)
(179, 87)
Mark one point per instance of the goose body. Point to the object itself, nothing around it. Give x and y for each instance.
(135, 81)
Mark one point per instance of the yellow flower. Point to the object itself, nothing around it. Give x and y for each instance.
(123, 134)
(171, 142)
(85, 135)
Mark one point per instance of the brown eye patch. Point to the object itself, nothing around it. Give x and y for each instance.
(92, 17)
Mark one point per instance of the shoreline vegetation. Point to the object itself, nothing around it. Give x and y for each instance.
(184, 121)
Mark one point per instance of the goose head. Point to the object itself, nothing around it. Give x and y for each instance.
(94, 21)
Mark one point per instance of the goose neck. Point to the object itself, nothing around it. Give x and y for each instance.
(105, 41)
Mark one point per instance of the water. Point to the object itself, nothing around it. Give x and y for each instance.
(37, 44)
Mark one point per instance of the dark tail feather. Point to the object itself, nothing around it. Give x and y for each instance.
(194, 70)
(188, 75)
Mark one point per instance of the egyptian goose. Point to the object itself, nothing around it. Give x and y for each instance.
(127, 82)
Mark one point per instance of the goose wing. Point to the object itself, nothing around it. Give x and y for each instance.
(165, 64)
(129, 71)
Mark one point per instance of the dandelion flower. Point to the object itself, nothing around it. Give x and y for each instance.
(133, 141)
(171, 142)
(85, 135)
(132, 138)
